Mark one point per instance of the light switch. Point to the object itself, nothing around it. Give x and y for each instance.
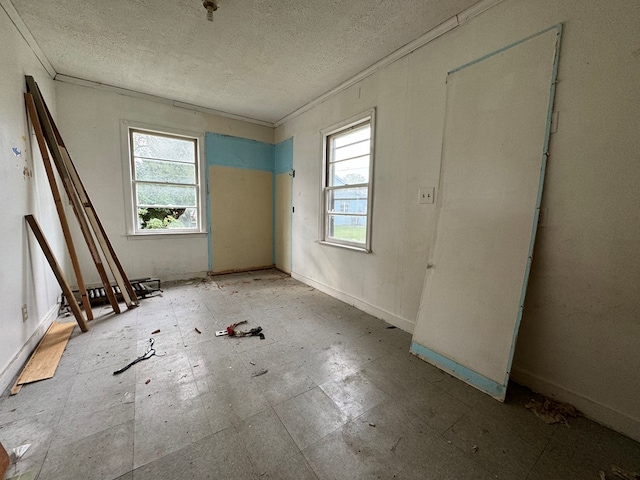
(426, 195)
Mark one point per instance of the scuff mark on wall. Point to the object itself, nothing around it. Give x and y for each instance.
(27, 173)
(16, 151)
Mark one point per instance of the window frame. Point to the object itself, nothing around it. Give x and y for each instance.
(367, 117)
(131, 216)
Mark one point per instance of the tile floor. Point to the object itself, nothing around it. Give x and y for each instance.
(342, 399)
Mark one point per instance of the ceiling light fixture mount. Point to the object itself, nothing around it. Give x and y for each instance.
(211, 6)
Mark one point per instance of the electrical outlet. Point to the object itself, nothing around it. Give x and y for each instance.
(426, 195)
(25, 314)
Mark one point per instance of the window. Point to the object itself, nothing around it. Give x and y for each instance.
(348, 163)
(165, 182)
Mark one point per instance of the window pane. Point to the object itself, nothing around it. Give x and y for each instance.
(167, 218)
(348, 163)
(347, 228)
(157, 146)
(362, 133)
(349, 172)
(162, 171)
(154, 195)
(350, 151)
(348, 200)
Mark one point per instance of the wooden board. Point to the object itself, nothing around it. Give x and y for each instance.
(37, 128)
(4, 461)
(57, 271)
(44, 360)
(52, 137)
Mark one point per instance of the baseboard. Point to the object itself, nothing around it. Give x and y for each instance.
(10, 373)
(591, 409)
(240, 270)
(388, 317)
(176, 277)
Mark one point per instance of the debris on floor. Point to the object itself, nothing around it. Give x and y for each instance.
(393, 449)
(197, 331)
(551, 411)
(474, 449)
(147, 355)
(148, 381)
(232, 332)
(260, 372)
(18, 452)
(155, 332)
(619, 473)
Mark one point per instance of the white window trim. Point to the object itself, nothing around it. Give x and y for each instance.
(325, 133)
(130, 215)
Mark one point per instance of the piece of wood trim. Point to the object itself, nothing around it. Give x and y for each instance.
(213, 273)
(123, 282)
(128, 294)
(4, 461)
(37, 128)
(45, 359)
(57, 271)
(51, 139)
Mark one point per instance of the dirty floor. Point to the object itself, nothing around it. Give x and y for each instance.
(341, 399)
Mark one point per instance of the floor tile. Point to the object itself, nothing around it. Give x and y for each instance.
(29, 401)
(354, 394)
(584, 449)
(267, 441)
(340, 397)
(496, 445)
(229, 402)
(433, 406)
(36, 431)
(214, 457)
(293, 468)
(104, 455)
(283, 382)
(335, 457)
(167, 425)
(83, 418)
(101, 382)
(331, 363)
(461, 391)
(310, 416)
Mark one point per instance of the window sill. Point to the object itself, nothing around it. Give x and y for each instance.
(347, 247)
(167, 235)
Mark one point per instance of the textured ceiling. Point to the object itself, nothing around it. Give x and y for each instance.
(260, 59)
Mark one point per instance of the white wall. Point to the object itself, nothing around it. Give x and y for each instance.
(25, 276)
(89, 121)
(581, 330)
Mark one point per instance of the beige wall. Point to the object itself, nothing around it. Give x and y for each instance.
(241, 218)
(579, 335)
